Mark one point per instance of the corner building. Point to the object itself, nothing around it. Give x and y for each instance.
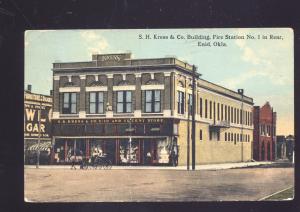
(136, 111)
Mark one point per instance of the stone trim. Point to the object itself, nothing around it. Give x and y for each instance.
(96, 88)
(153, 87)
(56, 77)
(82, 114)
(109, 76)
(69, 89)
(124, 88)
(55, 115)
(137, 113)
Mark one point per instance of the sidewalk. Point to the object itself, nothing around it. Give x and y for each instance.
(198, 167)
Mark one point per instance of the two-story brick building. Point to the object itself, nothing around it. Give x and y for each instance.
(135, 111)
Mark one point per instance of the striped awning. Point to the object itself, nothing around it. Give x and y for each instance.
(45, 146)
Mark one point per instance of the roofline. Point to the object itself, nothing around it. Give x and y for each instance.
(226, 88)
(29, 92)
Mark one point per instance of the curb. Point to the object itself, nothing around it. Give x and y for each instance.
(199, 167)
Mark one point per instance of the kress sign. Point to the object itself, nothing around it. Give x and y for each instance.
(31, 121)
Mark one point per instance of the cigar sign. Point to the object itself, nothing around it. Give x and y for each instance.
(32, 106)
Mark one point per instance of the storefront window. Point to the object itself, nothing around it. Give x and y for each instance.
(162, 151)
(129, 151)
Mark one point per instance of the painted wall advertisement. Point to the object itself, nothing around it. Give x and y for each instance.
(34, 103)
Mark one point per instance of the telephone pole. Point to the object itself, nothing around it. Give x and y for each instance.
(193, 119)
(39, 134)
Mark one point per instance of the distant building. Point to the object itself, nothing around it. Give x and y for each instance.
(35, 104)
(264, 134)
(281, 147)
(290, 144)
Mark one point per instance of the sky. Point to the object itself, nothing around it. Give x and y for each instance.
(264, 68)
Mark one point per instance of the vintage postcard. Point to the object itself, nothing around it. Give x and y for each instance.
(155, 115)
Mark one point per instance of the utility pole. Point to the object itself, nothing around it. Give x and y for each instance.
(193, 120)
(39, 135)
(188, 136)
(243, 138)
(129, 150)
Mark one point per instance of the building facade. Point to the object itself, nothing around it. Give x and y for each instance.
(281, 147)
(136, 111)
(37, 112)
(264, 134)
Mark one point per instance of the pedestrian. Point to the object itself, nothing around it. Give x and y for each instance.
(148, 158)
(73, 162)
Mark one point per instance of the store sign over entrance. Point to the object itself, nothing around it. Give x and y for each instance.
(112, 121)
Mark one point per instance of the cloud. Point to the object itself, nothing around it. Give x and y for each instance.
(265, 59)
(95, 42)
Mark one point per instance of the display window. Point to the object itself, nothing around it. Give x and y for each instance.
(129, 151)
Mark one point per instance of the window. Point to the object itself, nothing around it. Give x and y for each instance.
(200, 107)
(222, 112)
(241, 137)
(210, 109)
(248, 118)
(210, 135)
(205, 108)
(241, 117)
(231, 115)
(200, 135)
(225, 112)
(234, 115)
(96, 102)
(152, 101)
(124, 102)
(214, 111)
(218, 111)
(225, 136)
(231, 136)
(237, 116)
(218, 135)
(238, 137)
(69, 105)
(180, 103)
(234, 137)
(190, 103)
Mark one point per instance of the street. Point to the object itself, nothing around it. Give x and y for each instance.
(117, 185)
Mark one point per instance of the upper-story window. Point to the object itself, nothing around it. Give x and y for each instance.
(124, 102)
(200, 107)
(190, 103)
(205, 108)
(69, 105)
(96, 102)
(210, 109)
(152, 101)
(180, 102)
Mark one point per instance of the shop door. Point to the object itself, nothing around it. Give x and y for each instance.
(110, 150)
(147, 152)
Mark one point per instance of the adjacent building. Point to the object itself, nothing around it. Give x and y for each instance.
(264, 134)
(37, 112)
(285, 147)
(281, 147)
(136, 111)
